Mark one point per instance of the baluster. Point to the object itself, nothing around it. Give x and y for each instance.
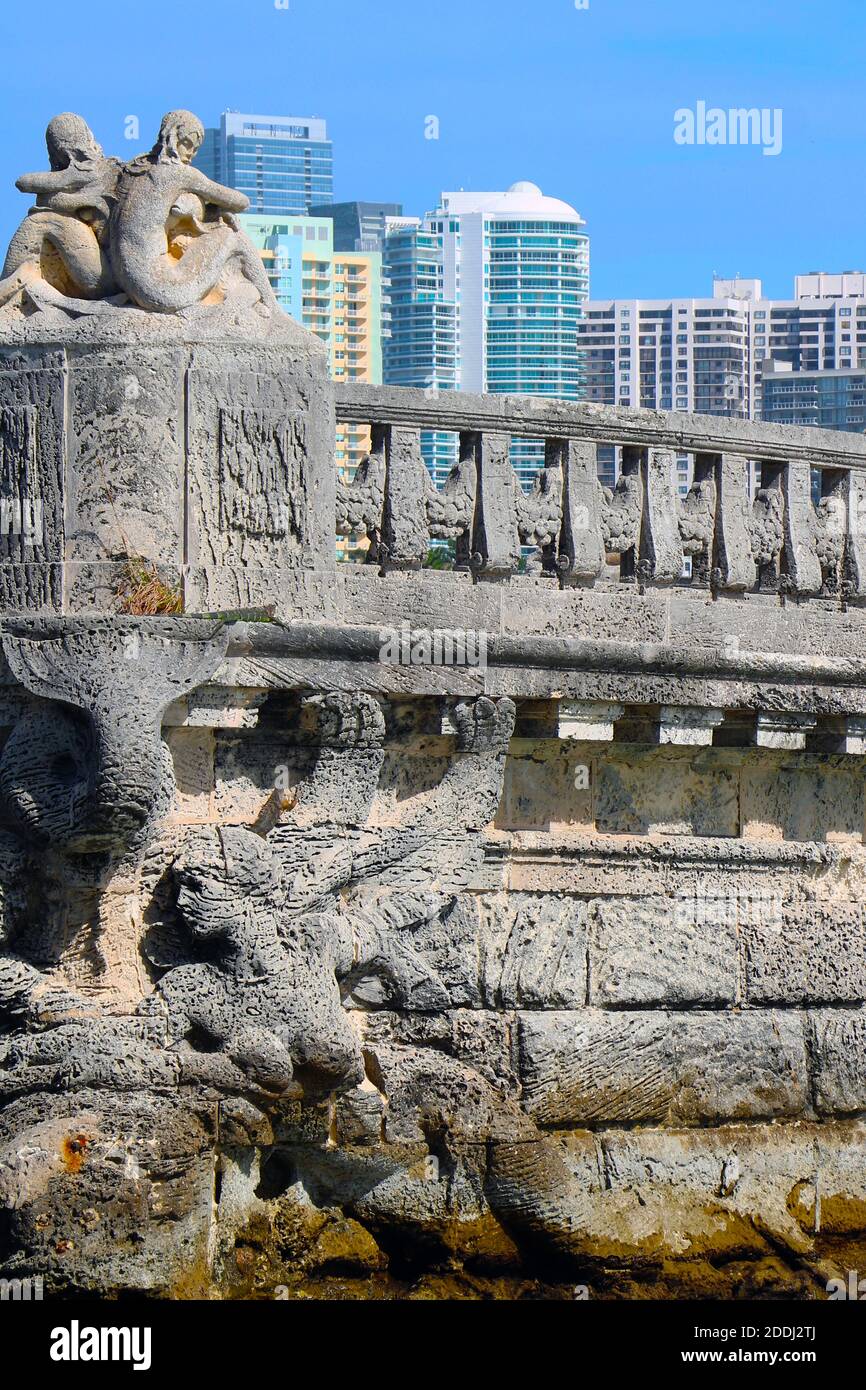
(855, 540)
(359, 503)
(539, 513)
(733, 556)
(450, 512)
(698, 518)
(660, 549)
(799, 558)
(405, 533)
(581, 543)
(831, 528)
(495, 537)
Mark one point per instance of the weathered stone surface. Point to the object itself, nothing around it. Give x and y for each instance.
(803, 1178)
(533, 951)
(803, 803)
(192, 752)
(546, 783)
(657, 951)
(591, 614)
(670, 797)
(815, 955)
(125, 465)
(82, 1174)
(319, 963)
(840, 1078)
(590, 1066)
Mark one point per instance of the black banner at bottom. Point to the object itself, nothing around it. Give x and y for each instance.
(145, 1338)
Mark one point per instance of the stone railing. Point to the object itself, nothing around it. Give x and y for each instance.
(778, 540)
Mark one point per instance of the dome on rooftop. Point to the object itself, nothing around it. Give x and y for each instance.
(523, 199)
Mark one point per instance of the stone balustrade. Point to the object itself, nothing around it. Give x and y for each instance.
(779, 540)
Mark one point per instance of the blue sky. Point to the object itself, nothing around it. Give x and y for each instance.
(580, 101)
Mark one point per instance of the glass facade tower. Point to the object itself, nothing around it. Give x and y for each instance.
(486, 295)
(284, 164)
(358, 226)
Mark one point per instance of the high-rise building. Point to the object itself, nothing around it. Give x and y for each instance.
(358, 226)
(422, 348)
(335, 294)
(707, 355)
(670, 354)
(284, 164)
(831, 399)
(486, 294)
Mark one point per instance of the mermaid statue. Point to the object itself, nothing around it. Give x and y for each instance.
(155, 233)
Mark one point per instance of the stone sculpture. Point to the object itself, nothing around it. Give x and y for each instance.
(64, 237)
(153, 232)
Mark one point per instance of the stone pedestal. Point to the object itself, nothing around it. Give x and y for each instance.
(204, 447)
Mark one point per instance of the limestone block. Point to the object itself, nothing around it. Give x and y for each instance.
(757, 623)
(779, 729)
(125, 465)
(637, 795)
(688, 725)
(654, 951)
(32, 441)
(216, 708)
(586, 1066)
(546, 783)
(814, 954)
(739, 1066)
(839, 1050)
(479, 1037)
(590, 720)
(249, 772)
(798, 1177)
(818, 801)
(532, 951)
(695, 1068)
(260, 431)
(594, 615)
(193, 752)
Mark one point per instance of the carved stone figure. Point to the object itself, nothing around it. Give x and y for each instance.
(63, 240)
(163, 185)
(155, 232)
